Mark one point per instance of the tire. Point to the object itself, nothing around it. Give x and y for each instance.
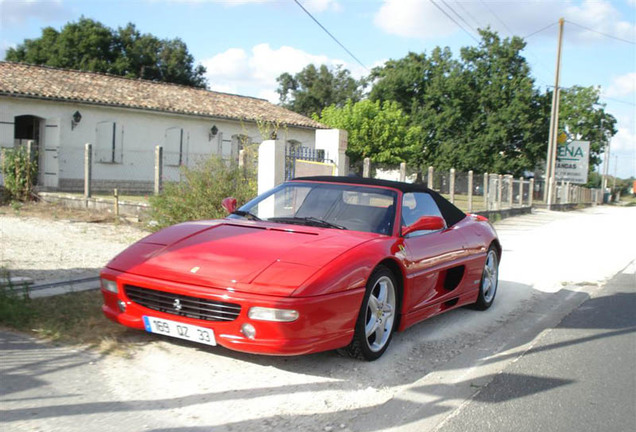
(489, 280)
(377, 317)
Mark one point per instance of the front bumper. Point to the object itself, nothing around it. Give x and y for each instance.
(324, 323)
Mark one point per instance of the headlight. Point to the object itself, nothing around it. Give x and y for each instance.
(109, 285)
(271, 314)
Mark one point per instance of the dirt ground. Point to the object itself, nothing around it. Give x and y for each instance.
(51, 243)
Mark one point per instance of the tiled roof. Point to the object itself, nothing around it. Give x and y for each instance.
(18, 79)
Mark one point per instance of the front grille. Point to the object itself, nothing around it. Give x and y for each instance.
(183, 305)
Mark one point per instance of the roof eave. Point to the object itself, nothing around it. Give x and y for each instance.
(142, 108)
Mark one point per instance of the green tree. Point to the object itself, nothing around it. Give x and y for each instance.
(378, 130)
(432, 90)
(480, 111)
(90, 46)
(311, 90)
(583, 117)
(508, 123)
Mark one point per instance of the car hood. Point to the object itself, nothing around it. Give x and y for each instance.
(269, 258)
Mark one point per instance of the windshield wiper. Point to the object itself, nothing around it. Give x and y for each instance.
(246, 215)
(307, 220)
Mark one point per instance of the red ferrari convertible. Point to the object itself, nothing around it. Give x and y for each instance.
(315, 264)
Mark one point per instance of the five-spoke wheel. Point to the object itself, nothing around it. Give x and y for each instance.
(489, 280)
(376, 320)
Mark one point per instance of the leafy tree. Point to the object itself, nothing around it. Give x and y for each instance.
(378, 130)
(311, 90)
(429, 88)
(508, 125)
(583, 117)
(480, 111)
(89, 45)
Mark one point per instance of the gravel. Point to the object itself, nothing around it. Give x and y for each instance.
(59, 250)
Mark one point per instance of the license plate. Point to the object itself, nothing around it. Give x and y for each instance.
(179, 330)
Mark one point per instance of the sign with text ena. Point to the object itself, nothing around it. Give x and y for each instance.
(572, 162)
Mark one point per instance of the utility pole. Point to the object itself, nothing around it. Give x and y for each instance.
(606, 163)
(550, 164)
(604, 181)
(615, 172)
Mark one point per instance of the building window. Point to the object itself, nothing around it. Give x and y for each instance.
(107, 144)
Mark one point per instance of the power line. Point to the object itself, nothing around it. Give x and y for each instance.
(332, 36)
(619, 100)
(453, 20)
(512, 34)
(601, 33)
(540, 30)
(461, 6)
(497, 17)
(458, 15)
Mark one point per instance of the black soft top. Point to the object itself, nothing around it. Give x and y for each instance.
(451, 214)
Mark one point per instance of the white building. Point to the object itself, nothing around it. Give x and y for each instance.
(124, 120)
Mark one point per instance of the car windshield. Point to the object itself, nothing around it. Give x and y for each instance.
(338, 206)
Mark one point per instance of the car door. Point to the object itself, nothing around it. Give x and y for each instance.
(434, 259)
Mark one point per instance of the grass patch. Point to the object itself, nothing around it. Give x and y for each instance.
(73, 319)
(461, 201)
(628, 200)
(15, 304)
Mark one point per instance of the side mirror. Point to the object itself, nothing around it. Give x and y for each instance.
(229, 204)
(429, 223)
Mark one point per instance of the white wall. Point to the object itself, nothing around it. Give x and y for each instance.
(137, 134)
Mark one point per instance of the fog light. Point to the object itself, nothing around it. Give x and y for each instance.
(271, 314)
(122, 305)
(248, 330)
(109, 285)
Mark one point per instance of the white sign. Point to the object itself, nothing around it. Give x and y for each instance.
(572, 162)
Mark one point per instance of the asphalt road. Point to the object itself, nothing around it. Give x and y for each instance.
(555, 352)
(578, 376)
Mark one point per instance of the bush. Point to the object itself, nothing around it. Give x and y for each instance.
(19, 171)
(199, 195)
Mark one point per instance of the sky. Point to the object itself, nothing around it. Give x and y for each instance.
(246, 44)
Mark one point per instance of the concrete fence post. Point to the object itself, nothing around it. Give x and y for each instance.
(485, 188)
(531, 193)
(366, 168)
(116, 196)
(242, 162)
(451, 185)
(429, 179)
(158, 168)
(520, 191)
(403, 171)
(334, 142)
(271, 166)
(30, 158)
(561, 189)
(499, 190)
(511, 189)
(30, 154)
(88, 163)
(470, 191)
(241, 159)
(567, 193)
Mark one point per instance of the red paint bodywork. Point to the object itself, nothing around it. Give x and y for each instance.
(320, 272)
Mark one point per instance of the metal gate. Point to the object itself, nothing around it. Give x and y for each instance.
(305, 161)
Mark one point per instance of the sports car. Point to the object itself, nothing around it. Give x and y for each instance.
(315, 264)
